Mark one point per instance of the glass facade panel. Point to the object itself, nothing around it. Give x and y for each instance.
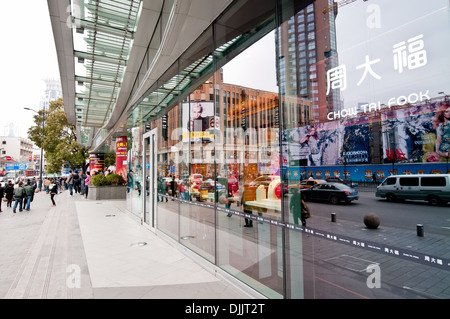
(272, 150)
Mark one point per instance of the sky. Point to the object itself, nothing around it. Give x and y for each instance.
(28, 56)
(255, 67)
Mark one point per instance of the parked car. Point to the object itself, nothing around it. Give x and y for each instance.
(340, 180)
(332, 192)
(433, 188)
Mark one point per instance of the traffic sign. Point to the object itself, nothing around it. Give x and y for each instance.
(16, 166)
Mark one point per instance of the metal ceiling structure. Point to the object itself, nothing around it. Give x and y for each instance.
(112, 53)
(108, 29)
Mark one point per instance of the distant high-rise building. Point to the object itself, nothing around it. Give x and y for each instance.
(52, 92)
(308, 40)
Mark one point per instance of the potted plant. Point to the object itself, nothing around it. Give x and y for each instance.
(107, 187)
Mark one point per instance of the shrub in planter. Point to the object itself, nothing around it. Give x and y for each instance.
(98, 180)
(115, 179)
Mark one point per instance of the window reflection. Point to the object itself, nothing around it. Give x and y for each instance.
(239, 152)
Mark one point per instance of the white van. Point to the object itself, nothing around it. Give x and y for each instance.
(434, 188)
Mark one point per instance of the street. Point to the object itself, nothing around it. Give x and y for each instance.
(404, 215)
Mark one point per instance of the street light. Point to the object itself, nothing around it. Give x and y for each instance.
(42, 145)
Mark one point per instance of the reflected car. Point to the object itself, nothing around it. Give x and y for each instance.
(342, 181)
(305, 184)
(331, 192)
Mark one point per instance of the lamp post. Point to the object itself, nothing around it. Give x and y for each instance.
(42, 145)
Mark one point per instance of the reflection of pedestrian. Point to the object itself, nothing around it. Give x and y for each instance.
(248, 221)
(442, 125)
(299, 208)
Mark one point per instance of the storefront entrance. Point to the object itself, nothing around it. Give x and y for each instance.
(149, 148)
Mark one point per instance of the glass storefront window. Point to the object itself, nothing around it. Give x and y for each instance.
(272, 125)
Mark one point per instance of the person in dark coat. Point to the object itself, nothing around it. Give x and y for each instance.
(9, 194)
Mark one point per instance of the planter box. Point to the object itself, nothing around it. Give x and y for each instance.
(107, 192)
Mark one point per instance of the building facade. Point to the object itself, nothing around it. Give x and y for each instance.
(227, 108)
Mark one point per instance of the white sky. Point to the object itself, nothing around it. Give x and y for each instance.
(255, 67)
(27, 56)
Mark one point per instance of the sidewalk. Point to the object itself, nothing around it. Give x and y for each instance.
(83, 249)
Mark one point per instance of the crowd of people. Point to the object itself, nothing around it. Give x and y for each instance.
(19, 194)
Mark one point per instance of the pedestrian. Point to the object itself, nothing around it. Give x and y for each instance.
(34, 183)
(83, 182)
(2, 193)
(53, 187)
(46, 184)
(29, 193)
(9, 194)
(70, 182)
(299, 208)
(86, 184)
(76, 181)
(19, 194)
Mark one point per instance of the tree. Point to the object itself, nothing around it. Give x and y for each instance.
(60, 139)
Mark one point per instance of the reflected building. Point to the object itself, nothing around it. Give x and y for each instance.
(308, 50)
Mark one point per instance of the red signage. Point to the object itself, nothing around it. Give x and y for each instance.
(96, 162)
(8, 158)
(121, 156)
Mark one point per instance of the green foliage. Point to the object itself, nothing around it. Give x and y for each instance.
(60, 139)
(98, 180)
(115, 179)
(111, 179)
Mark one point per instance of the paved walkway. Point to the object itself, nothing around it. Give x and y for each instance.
(83, 249)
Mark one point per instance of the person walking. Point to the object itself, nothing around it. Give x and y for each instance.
(2, 193)
(19, 194)
(86, 184)
(53, 187)
(46, 184)
(70, 182)
(9, 194)
(299, 208)
(29, 193)
(76, 182)
(83, 182)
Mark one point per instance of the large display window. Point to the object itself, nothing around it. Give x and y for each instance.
(277, 132)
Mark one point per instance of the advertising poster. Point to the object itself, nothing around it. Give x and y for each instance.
(417, 134)
(356, 144)
(316, 145)
(121, 156)
(198, 121)
(96, 162)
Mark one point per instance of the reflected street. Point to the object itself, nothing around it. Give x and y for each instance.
(404, 215)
